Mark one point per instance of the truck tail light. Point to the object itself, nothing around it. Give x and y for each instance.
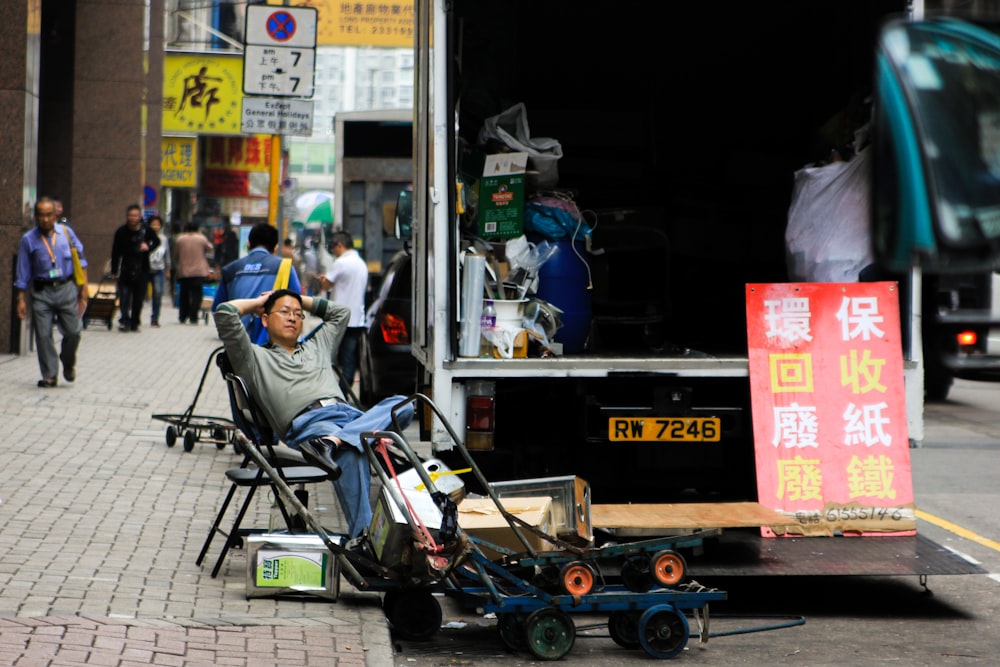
(966, 338)
(394, 330)
(480, 416)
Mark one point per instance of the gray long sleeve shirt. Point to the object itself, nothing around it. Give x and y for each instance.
(284, 383)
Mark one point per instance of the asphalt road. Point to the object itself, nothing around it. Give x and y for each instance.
(835, 621)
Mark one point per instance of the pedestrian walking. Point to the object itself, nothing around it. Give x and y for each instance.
(227, 244)
(192, 270)
(45, 266)
(159, 269)
(130, 250)
(347, 281)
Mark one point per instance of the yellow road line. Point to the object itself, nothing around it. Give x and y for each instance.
(958, 530)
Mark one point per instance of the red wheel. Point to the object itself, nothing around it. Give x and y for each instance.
(669, 568)
(577, 578)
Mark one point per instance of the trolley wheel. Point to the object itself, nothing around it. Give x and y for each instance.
(636, 574)
(171, 436)
(577, 578)
(189, 439)
(547, 578)
(413, 613)
(663, 631)
(669, 568)
(623, 626)
(510, 627)
(219, 435)
(389, 601)
(550, 633)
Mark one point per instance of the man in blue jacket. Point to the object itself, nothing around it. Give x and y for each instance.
(258, 272)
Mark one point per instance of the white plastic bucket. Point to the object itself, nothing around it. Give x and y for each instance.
(510, 313)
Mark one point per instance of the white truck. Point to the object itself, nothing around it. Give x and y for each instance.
(680, 131)
(373, 164)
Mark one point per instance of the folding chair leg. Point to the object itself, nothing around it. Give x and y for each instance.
(218, 522)
(234, 533)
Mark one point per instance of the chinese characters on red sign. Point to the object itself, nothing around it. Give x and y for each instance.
(829, 407)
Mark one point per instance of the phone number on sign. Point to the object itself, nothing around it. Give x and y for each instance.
(836, 514)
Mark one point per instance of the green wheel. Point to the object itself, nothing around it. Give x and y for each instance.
(550, 633)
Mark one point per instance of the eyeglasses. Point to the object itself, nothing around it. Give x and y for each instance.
(290, 314)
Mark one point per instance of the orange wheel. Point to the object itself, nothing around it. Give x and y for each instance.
(669, 568)
(577, 578)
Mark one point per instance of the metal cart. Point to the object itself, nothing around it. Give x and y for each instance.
(534, 614)
(193, 428)
(102, 304)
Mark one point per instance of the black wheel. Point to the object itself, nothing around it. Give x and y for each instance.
(637, 574)
(171, 436)
(550, 633)
(189, 440)
(510, 627)
(623, 626)
(547, 578)
(413, 613)
(219, 435)
(663, 631)
(389, 601)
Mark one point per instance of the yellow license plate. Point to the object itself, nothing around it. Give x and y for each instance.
(663, 429)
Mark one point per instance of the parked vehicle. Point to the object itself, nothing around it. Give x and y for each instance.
(937, 186)
(387, 366)
(690, 198)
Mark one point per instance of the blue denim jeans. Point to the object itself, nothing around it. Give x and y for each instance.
(156, 278)
(353, 488)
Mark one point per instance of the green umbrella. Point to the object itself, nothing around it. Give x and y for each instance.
(321, 212)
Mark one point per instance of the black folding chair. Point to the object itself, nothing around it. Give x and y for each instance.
(289, 464)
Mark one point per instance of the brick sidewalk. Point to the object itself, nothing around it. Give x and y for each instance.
(102, 522)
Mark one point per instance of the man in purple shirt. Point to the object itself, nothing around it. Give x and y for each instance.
(45, 267)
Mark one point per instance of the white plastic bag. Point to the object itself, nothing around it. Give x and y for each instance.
(511, 129)
(827, 238)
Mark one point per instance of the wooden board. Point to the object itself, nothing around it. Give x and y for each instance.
(685, 515)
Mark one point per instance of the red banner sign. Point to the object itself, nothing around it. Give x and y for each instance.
(829, 407)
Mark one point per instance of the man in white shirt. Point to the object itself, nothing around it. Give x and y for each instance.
(347, 281)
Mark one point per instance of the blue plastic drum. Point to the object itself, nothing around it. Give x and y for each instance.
(563, 281)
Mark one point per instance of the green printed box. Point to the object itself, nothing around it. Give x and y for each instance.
(282, 564)
(501, 196)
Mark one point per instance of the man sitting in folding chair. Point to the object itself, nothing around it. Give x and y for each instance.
(297, 390)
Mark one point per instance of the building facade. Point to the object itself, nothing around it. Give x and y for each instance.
(79, 88)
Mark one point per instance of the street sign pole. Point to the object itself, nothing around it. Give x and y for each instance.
(287, 37)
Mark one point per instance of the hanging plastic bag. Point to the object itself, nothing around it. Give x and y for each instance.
(827, 237)
(510, 128)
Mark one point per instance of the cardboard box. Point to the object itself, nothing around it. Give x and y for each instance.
(479, 517)
(501, 196)
(284, 564)
(570, 495)
(390, 532)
